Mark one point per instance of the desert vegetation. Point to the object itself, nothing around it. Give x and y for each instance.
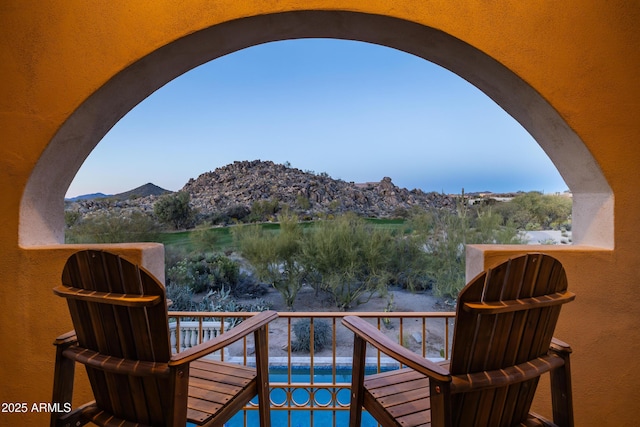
(111, 227)
(343, 255)
(232, 233)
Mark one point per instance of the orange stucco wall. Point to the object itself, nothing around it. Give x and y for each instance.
(580, 56)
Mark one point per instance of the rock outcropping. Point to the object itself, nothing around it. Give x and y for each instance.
(244, 182)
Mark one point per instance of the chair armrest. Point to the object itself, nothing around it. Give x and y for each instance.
(373, 336)
(506, 376)
(66, 339)
(250, 325)
(559, 346)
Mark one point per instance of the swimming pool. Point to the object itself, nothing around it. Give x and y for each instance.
(323, 395)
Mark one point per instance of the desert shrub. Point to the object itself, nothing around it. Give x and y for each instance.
(221, 301)
(334, 205)
(113, 227)
(263, 210)
(204, 272)
(248, 286)
(488, 227)
(237, 212)
(442, 235)
(181, 298)
(408, 264)
(175, 209)
(400, 212)
(303, 202)
(203, 239)
(536, 211)
(214, 302)
(71, 218)
(218, 218)
(302, 331)
(172, 255)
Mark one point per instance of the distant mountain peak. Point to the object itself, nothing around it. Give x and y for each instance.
(145, 190)
(148, 189)
(87, 197)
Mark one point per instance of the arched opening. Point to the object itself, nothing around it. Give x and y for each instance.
(41, 209)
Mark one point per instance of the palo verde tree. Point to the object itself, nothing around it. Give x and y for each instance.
(347, 257)
(274, 255)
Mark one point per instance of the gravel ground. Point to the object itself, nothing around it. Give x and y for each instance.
(396, 299)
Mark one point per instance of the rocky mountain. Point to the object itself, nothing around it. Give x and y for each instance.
(140, 198)
(244, 182)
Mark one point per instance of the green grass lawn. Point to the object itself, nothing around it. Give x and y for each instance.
(182, 239)
(224, 238)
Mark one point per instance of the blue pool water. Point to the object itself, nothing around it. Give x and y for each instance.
(300, 417)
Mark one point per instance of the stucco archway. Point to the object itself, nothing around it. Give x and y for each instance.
(41, 210)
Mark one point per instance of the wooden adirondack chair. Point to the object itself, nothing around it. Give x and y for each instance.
(502, 344)
(119, 312)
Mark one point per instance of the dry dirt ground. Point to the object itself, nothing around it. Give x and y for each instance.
(397, 300)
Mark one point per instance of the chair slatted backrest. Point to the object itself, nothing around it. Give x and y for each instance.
(107, 322)
(528, 291)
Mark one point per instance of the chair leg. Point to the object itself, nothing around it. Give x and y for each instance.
(440, 395)
(357, 381)
(262, 377)
(561, 395)
(179, 389)
(62, 380)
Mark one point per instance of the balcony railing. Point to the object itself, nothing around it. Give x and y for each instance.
(314, 384)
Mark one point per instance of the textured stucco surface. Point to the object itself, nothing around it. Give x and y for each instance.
(566, 70)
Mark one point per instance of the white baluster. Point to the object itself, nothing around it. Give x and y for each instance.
(172, 339)
(183, 338)
(186, 343)
(189, 333)
(194, 336)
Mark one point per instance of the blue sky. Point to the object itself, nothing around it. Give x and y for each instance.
(356, 111)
